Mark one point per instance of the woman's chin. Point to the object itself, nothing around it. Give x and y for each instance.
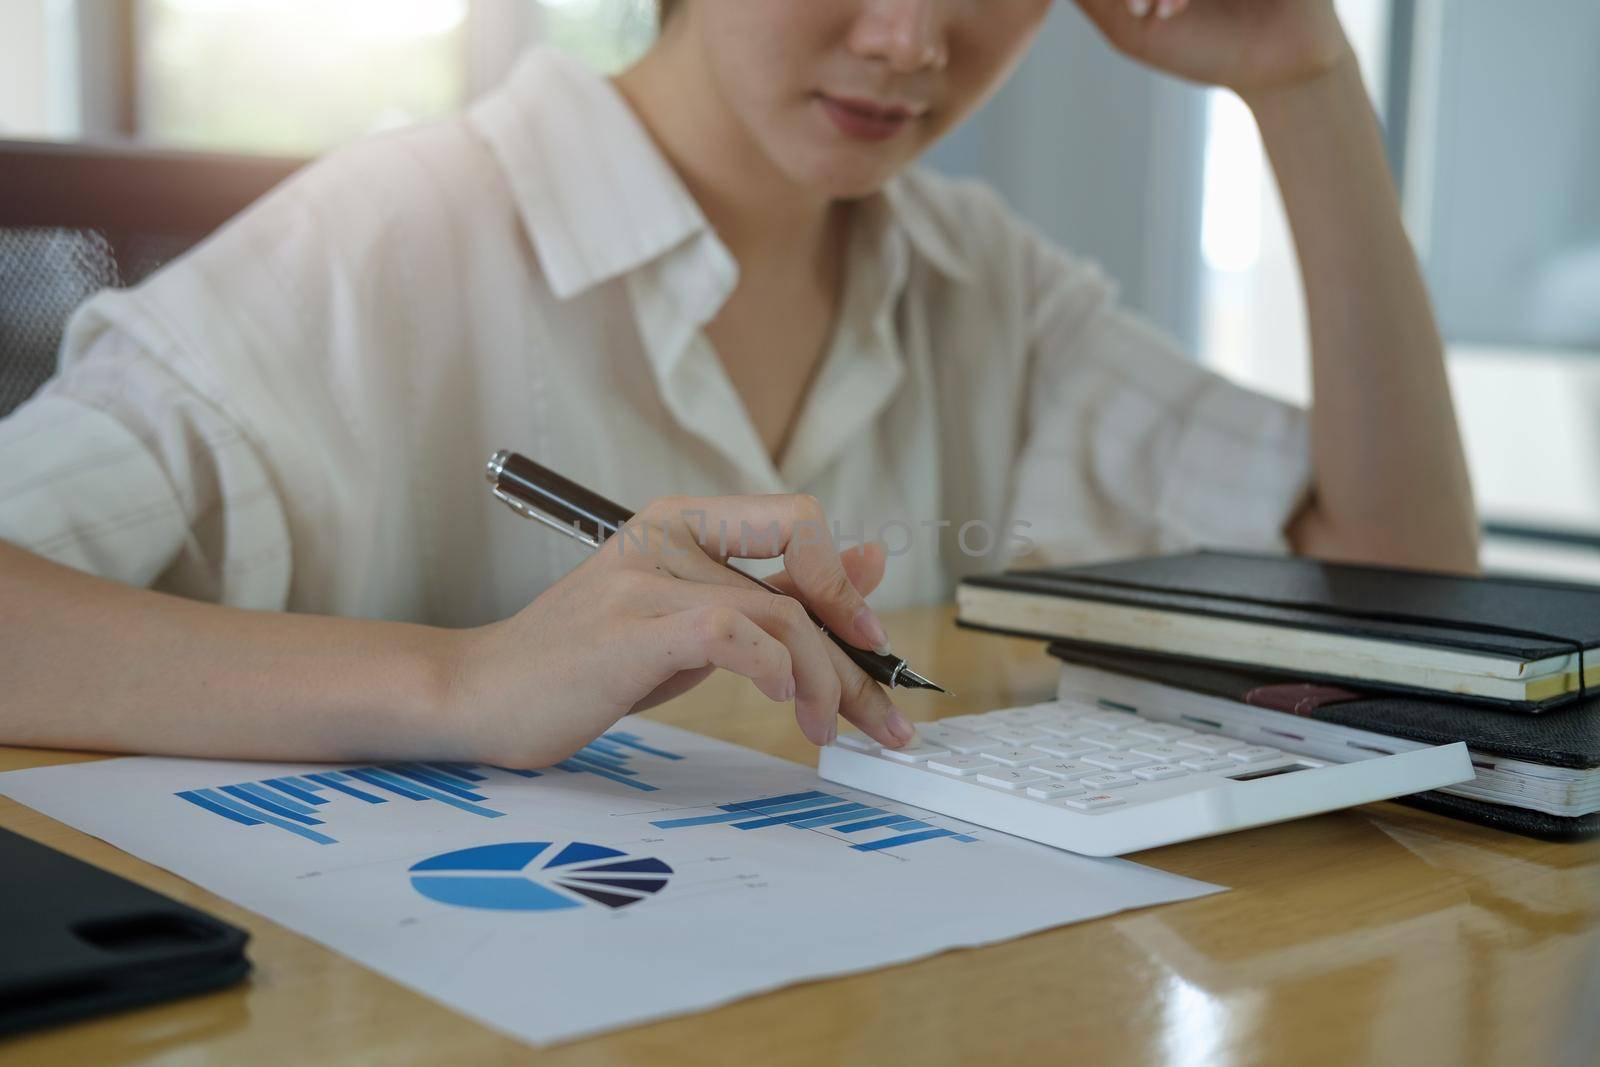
(850, 179)
(820, 159)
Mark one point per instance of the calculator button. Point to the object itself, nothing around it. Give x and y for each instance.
(859, 742)
(1054, 790)
(1012, 778)
(1067, 728)
(956, 739)
(1013, 757)
(1164, 753)
(1254, 753)
(956, 720)
(1044, 707)
(916, 752)
(1047, 708)
(1092, 802)
(1016, 738)
(1112, 720)
(1066, 749)
(1204, 764)
(1117, 761)
(1108, 781)
(1062, 768)
(1210, 744)
(961, 766)
(1159, 772)
(1159, 731)
(1108, 739)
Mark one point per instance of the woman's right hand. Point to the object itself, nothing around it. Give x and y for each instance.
(654, 611)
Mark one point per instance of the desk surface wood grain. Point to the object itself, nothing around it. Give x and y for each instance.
(1380, 934)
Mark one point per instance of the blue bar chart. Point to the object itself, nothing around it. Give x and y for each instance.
(608, 756)
(299, 804)
(815, 810)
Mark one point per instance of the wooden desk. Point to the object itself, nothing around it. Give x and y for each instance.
(1377, 935)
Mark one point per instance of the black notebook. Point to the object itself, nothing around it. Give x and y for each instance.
(1567, 738)
(1515, 642)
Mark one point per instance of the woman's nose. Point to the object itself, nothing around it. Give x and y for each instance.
(907, 34)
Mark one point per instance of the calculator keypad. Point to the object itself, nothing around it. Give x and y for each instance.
(1079, 758)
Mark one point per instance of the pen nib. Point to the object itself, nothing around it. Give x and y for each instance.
(910, 679)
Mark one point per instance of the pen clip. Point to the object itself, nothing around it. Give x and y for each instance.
(529, 512)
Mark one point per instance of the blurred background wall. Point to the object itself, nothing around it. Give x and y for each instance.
(1491, 110)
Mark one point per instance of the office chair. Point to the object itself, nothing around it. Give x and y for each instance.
(76, 219)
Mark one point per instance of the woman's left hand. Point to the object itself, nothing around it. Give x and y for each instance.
(1249, 46)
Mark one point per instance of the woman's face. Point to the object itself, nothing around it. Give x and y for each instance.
(841, 94)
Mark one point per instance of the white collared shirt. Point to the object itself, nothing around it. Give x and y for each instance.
(296, 414)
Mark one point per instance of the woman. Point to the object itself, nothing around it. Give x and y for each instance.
(714, 277)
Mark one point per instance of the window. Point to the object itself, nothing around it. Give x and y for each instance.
(294, 76)
(1496, 138)
(38, 70)
(606, 34)
(1253, 318)
(300, 76)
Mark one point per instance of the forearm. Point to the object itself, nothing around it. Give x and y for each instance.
(1391, 482)
(93, 664)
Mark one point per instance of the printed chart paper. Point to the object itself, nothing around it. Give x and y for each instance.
(656, 872)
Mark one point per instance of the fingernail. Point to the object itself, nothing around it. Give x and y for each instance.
(868, 626)
(788, 690)
(1165, 9)
(833, 731)
(1139, 8)
(901, 727)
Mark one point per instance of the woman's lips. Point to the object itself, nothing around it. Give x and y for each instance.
(863, 120)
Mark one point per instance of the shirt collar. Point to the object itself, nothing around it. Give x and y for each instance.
(597, 197)
(913, 212)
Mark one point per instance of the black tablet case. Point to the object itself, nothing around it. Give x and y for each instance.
(1568, 736)
(1521, 619)
(77, 941)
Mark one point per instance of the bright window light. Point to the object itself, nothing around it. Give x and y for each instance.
(1253, 321)
(296, 76)
(1235, 180)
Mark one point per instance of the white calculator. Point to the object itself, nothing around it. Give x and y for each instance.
(1102, 782)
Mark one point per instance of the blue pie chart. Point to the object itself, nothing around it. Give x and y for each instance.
(539, 876)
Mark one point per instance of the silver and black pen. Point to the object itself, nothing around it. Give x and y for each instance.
(538, 493)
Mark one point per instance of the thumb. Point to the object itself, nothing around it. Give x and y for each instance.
(864, 565)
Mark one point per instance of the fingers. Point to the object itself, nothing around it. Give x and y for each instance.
(816, 680)
(1162, 9)
(793, 526)
(1113, 16)
(673, 687)
(863, 564)
(717, 635)
(826, 683)
(865, 703)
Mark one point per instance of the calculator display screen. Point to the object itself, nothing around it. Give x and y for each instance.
(1251, 776)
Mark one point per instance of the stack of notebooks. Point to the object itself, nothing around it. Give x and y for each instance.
(1343, 662)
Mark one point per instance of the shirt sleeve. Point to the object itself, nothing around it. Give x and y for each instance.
(118, 468)
(1132, 448)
